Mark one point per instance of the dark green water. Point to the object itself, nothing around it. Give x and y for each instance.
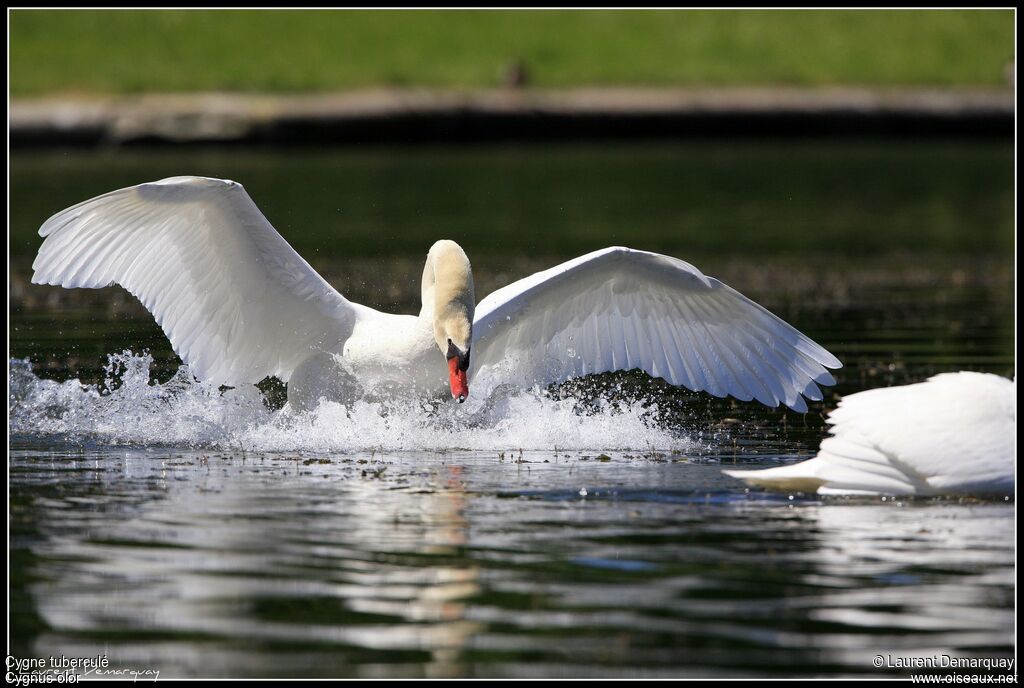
(174, 530)
(687, 199)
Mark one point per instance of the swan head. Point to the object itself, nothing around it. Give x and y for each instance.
(449, 300)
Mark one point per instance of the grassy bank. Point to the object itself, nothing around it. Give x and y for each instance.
(134, 51)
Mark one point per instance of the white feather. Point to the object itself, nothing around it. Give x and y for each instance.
(618, 309)
(235, 300)
(953, 434)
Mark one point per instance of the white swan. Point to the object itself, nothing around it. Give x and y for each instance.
(953, 434)
(239, 304)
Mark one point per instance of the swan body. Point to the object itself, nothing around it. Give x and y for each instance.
(953, 434)
(238, 304)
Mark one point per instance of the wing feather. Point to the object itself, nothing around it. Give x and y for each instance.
(620, 309)
(683, 336)
(235, 300)
(720, 344)
(704, 349)
(776, 373)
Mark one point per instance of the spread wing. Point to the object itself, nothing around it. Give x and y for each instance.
(619, 309)
(235, 300)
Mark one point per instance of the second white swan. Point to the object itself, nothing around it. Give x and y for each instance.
(953, 434)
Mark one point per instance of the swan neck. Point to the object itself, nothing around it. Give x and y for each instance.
(427, 283)
(448, 299)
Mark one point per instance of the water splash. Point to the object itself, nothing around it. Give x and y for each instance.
(129, 408)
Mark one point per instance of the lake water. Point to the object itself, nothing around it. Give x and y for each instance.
(580, 531)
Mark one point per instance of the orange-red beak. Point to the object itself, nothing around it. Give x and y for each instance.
(457, 379)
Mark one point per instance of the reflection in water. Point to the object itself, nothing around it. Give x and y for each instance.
(463, 564)
(198, 546)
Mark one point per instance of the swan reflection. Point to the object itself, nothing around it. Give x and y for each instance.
(457, 565)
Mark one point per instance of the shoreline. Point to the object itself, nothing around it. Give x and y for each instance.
(429, 116)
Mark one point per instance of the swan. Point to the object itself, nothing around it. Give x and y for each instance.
(238, 304)
(952, 434)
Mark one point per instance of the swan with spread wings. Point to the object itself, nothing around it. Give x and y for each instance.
(238, 304)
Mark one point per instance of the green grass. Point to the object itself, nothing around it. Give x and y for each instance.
(132, 51)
